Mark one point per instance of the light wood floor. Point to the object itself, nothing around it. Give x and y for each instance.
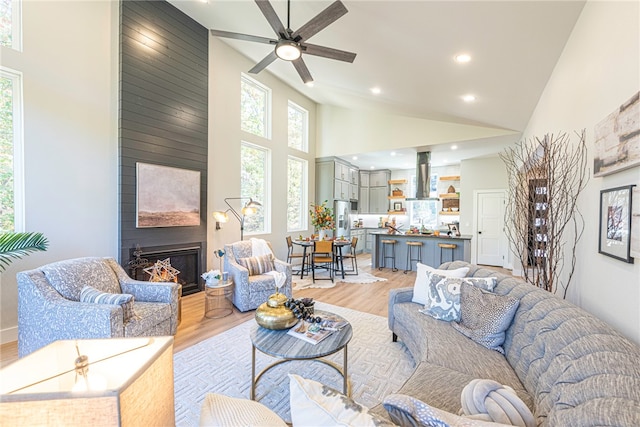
(194, 327)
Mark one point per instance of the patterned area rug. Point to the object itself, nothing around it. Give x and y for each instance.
(222, 364)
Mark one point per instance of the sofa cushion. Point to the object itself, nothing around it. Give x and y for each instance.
(443, 297)
(485, 316)
(421, 285)
(314, 404)
(151, 317)
(70, 276)
(92, 295)
(258, 264)
(224, 411)
(491, 401)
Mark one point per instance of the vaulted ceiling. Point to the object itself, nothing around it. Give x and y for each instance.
(407, 50)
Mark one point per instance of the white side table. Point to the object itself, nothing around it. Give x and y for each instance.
(218, 300)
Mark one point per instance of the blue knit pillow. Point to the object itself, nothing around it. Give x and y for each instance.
(92, 295)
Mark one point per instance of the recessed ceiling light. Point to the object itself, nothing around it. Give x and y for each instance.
(469, 98)
(462, 58)
(371, 167)
(354, 158)
(376, 90)
(309, 84)
(393, 153)
(454, 147)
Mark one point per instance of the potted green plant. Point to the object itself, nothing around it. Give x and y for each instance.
(16, 245)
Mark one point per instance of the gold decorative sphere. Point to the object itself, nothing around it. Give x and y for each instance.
(274, 315)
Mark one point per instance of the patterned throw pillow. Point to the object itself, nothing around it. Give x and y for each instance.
(421, 285)
(92, 295)
(314, 404)
(443, 298)
(485, 316)
(257, 264)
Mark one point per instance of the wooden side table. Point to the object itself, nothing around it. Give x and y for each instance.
(218, 300)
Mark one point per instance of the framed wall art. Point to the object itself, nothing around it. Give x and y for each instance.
(615, 223)
(635, 222)
(617, 139)
(166, 196)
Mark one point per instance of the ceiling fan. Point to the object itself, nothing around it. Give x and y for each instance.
(290, 45)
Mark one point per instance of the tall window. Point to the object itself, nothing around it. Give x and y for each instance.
(298, 127)
(297, 170)
(10, 23)
(255, 176)
(10, 151)
(424, 212)
(255, 107)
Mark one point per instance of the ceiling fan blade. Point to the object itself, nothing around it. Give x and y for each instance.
(302, 69)
(328, 52)
(272, 18)
(246, 37)
(264, 63)
(320, 21)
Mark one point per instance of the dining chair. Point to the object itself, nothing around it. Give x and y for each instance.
(322, 257)
(291, 255)
(351, 255)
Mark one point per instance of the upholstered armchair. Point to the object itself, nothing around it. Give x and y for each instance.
(50, 307)
(252, 288)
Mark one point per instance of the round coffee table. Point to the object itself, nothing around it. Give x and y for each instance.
(286, 347)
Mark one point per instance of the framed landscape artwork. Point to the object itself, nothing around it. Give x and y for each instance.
(615, 223)
(635, 222)
(167, 196)
(617, 139)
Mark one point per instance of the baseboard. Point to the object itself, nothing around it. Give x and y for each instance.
(9, 335)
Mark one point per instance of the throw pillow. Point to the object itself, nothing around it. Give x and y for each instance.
(491, 401)
(314, 404)
(484, 317)
(92, 295)
(443, 298)
(257, 264)
(408, 411)
(421, 285)
(224, 411)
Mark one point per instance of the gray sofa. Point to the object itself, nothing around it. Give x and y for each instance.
(49, 306)
(569, 367)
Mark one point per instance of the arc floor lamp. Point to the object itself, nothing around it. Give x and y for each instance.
(250, 208)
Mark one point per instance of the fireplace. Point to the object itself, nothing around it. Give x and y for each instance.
(185, 258)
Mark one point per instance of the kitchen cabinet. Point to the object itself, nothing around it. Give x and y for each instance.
(368, 240)
(334, 180)
(361, 235)
(373, 192)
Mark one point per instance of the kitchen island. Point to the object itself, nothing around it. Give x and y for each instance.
(435, 249)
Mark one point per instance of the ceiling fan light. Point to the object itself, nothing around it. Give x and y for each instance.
(288, 50)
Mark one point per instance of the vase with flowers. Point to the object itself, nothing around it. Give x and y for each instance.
(322, 218)
(212, 278)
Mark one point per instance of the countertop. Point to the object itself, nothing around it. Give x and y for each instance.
(425, 236)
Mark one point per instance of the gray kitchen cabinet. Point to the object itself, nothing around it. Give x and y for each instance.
(379, 178)
(364, 179)
(353, 176)
(368, 241)
(363, 200)
(334, 180)
(361, 235)
(378, 200)
(374, 189)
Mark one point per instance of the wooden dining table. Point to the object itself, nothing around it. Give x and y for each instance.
(337, 246)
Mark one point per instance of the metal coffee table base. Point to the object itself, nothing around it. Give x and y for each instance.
(341, 370)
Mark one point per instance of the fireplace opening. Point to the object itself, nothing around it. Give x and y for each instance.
(184, 258)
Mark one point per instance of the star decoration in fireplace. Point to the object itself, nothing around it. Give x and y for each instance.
(162, 271)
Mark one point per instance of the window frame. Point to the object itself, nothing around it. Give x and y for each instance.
(266, 203)
(304, 194)
(16, 26)
(267, 114)
(18, 147)
(305, 126)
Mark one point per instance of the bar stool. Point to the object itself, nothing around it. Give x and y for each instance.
(443, 246)
(383, 254)
(410, 257)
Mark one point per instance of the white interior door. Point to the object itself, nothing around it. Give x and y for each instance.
(491, 242)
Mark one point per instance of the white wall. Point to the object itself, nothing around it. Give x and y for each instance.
(226, 66)
(598, 70)
(69, 65)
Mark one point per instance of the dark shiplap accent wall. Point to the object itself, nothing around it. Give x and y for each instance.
(163, 111)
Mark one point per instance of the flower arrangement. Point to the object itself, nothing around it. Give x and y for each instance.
(322, 216)
(211, 276)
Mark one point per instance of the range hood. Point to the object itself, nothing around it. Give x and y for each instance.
(423, 177)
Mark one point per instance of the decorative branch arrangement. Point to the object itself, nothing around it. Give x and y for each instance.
(544, 224)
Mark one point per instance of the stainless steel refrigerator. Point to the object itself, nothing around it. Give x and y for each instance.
(341, 211)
